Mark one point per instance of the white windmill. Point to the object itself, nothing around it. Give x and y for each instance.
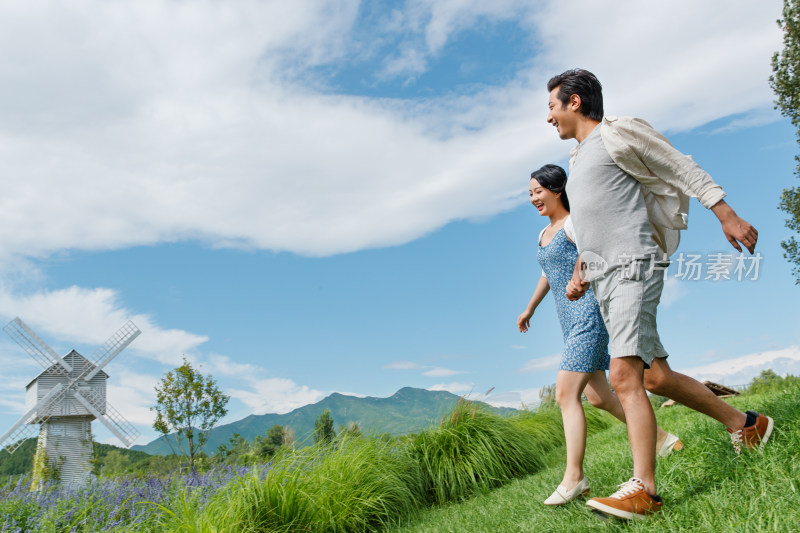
(64, 399)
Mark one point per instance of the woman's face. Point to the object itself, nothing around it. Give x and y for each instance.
(544, 200)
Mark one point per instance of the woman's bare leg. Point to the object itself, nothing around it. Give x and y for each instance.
(569, 386)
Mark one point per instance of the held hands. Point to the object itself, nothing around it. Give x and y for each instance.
(524, 321)
(576, 287)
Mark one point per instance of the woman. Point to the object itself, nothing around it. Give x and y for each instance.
(585, 358)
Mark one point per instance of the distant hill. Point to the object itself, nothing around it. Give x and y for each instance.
(406, 411)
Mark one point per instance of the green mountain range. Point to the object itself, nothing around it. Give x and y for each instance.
(406, 411)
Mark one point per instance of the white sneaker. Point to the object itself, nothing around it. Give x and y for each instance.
(672, 442)
(562, 495)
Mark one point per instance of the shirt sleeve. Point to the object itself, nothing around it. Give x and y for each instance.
(569, 230)
(669, 164)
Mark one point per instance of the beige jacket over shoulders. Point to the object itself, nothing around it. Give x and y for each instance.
(668, 177)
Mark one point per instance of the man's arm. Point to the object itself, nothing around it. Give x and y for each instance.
(736, 229)
(680, 171)
(577, 287)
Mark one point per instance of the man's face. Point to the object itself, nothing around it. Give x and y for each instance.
(563, 117)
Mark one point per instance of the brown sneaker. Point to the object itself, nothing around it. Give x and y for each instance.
(752, 436)
(630, 501)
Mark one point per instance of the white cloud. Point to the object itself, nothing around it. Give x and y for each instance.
(675, 81)
(429, 371)
(440, 372)
(454, 387)
(673, 291)
(540, 364)
(275, 395)
(132, 394)
(166, 121)
(742, 370)
(401, 365)
(224, 365)
(515, 399)
(90, 317)
(409, 63)
(446, 18)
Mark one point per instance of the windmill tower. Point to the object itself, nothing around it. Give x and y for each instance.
(63, 400)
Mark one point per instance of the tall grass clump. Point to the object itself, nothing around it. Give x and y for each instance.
(473, 450)
(366, 483)
(357, 484)
(276, 500)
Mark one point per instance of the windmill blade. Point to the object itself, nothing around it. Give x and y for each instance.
(35, 346)
(108, 351)
(22, 430)
(113, 420)
(17, 438)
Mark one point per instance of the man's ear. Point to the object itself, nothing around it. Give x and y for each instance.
(574, 102)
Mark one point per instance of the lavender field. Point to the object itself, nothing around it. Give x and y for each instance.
(127, 503)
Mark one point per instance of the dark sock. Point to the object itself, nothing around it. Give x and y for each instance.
(751, 418)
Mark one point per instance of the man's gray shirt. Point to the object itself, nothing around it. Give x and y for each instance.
(608, 210)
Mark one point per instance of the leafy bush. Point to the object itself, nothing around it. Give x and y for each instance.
(768, 381)
(357, 485)
(473, 449)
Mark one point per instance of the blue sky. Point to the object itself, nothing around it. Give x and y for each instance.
(331, 196)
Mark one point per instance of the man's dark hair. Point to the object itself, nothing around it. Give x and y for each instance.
(554, 179)
(584, 84)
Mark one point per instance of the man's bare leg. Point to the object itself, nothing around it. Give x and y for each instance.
(601, 396)
(626, 377)
(662, 380)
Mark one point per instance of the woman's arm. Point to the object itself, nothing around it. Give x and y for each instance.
(542, 288)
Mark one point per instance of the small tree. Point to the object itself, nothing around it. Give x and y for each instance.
(785, 82)
(323, 428)
(351, 430)
(188, 404)
(115, 463)
(270, 444)
(235, 449)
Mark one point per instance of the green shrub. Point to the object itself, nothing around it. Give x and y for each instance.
(357, 485)
(473, 449)
(364, 484)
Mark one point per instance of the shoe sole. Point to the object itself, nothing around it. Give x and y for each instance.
(613, 511)
(768, 432)
(669, 447)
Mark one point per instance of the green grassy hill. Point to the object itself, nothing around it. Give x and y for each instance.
(406, 411)
(706, 487)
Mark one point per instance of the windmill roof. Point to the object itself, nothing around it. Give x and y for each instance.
(75, 360)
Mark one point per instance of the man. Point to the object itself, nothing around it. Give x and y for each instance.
(629, 191)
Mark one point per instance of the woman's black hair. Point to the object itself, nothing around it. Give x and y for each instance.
(554, 179)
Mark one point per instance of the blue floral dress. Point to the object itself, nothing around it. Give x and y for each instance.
(585, 335)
